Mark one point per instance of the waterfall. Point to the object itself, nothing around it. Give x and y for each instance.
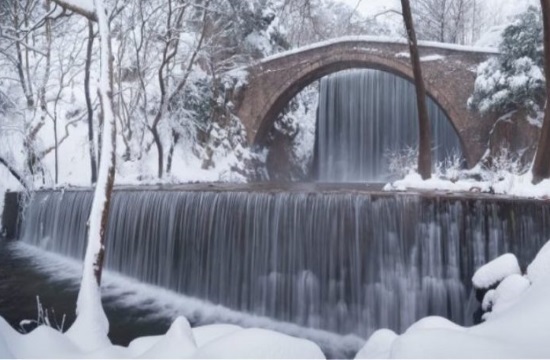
(366, 115)
(347, 262)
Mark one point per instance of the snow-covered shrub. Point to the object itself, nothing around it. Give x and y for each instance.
(514, 79)
(42, 318)
(402, 162)
(451, 168)
(503, 164)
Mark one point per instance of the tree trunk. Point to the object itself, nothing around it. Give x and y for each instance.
(14, 173)
(424, 148)
(91, 327)
(160, 150)
(91, 144)
(175, 139)
(541, 165)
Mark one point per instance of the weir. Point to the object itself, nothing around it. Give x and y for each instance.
(367, 116)
(345, 260)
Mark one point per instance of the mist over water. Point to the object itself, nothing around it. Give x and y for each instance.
(364, 116)
(345, 262)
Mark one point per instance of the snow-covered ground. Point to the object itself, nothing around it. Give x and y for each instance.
(506, 184)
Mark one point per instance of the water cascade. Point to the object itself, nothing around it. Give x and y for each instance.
(344, 261)
(367, 115)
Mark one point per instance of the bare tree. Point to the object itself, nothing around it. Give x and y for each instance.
(424, 139)
(452, 21)
(541, 165)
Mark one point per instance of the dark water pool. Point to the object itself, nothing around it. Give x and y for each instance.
(133, 309)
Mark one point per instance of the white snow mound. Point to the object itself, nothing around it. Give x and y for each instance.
(259, 344)
(495, 271)
(506, 294)
(541, 265)
(378, 346)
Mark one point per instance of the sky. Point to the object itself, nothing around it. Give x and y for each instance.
(504, 8)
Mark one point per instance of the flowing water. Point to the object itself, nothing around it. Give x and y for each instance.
(365, 117)
(349, 262)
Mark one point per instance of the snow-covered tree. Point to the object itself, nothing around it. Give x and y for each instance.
(515, 78)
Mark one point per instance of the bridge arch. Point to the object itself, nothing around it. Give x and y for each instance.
(280, 99)
(449, 78)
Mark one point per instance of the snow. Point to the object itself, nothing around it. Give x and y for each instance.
(208, 333)
(378, 345)
(86, 6)
(491, 38)
(495, 271)
(518, 327)
(434, 322)
(259, 344)
(381, 39)
(178, 342)
(434, 57)
(91, 327)
(219, 341)
(507, 293)
(506, 183)
(538, 269)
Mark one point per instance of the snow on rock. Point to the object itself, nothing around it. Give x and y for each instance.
(208, 333)
(378, 346)
(434, 322)
(506, 294)
(449, 344)
(488, 300)
(177, 343)
(540, 267)
(519, 329)
(414, 181)
(495, 271)
(259, 344)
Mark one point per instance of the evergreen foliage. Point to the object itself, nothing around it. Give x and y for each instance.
(514, 79)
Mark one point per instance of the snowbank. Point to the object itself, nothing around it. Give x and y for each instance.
(507, 184)
(520, 329)
(214, 341)
(495, 271)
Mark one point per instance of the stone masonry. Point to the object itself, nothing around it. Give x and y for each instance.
(449, 73)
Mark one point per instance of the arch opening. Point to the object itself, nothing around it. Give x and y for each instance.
(367, 121)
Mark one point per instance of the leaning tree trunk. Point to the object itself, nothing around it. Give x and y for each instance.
(541, 165)
(424, 148)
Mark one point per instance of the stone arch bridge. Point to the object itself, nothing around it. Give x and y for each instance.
(449, 73)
